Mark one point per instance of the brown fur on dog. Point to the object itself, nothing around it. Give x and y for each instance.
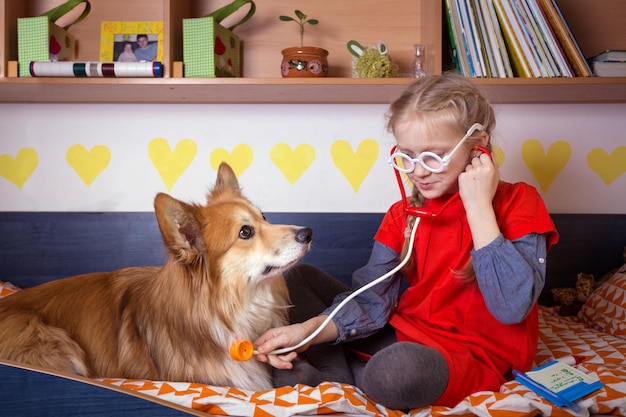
(222, 282)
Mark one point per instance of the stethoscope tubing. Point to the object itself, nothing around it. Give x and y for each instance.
(350, 297)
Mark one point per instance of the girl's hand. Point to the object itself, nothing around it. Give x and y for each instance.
(478, 184)
(477, 187)
(281, 337)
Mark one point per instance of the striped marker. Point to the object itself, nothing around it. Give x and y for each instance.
(96, 69)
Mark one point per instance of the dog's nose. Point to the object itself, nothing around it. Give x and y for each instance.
(304, 235)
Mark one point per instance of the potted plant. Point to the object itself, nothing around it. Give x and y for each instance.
(303, 61)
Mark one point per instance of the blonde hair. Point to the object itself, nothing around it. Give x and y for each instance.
(448, 100)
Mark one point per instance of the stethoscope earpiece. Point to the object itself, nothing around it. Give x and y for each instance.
(483, 150)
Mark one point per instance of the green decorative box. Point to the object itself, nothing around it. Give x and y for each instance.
(211, 50)
(39, 39)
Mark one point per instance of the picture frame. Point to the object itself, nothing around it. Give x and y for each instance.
(116, 37)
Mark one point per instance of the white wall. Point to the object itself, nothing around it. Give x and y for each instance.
(327, 172)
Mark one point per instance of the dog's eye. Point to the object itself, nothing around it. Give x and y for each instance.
(246, 232)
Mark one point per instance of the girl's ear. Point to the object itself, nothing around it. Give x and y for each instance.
(481, 141)
(483, 138)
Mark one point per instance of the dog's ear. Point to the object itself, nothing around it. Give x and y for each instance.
(181, 231)
(226, 179)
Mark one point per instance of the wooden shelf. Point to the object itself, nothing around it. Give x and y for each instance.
(554, 90)
(400, 24)
(297, 91)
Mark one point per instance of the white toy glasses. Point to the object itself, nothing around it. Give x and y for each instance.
(430, 161)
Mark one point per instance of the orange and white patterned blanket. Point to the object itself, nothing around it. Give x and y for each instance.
(604, 353)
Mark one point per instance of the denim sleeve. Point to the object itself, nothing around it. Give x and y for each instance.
(511, 275)
(370, 310)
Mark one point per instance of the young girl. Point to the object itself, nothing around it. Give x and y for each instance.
(127, 54)
(476, 269)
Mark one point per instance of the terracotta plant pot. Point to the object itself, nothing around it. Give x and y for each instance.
(304, 61)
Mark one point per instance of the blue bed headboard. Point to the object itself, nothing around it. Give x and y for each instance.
(36, 247)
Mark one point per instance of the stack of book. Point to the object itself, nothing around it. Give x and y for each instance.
(513, 38)
(611, 63)
(560, 383)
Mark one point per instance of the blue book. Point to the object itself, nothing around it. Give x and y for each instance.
(560, 383)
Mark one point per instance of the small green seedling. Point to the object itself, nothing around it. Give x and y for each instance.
(301, 19)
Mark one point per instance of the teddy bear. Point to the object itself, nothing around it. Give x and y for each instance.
(571, 299)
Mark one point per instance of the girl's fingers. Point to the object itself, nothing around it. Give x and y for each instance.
(280, 361)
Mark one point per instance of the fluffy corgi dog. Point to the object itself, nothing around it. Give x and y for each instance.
(222, 282)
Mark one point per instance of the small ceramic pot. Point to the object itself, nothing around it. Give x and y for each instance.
(304, 61)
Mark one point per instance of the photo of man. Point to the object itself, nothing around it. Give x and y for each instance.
(145, 50)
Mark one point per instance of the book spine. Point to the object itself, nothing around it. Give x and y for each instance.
(478, 69)
(489, 35)
(477, 37)
(461, 40)
(609, 69)
(96, 69)
(609, 55)
(553, 45)
(541, 44)
(516, 54)
(533, 50)
(508, 70)
(566, 38)
(485, 41)
(454, 45)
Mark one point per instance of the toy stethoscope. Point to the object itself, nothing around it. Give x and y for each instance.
(243, 350)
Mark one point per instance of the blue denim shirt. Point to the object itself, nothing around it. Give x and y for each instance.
(503, 273)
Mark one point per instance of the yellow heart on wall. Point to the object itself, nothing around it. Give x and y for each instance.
(292, 163)
(608, 167)
(546, 166)
(19, 169)
(354, 165)
(239, 159)
(88, 164)
(171, 164)
(498, 155)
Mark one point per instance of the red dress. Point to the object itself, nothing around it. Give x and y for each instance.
(442, 311)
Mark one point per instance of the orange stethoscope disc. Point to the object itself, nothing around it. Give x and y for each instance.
(241, 350)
